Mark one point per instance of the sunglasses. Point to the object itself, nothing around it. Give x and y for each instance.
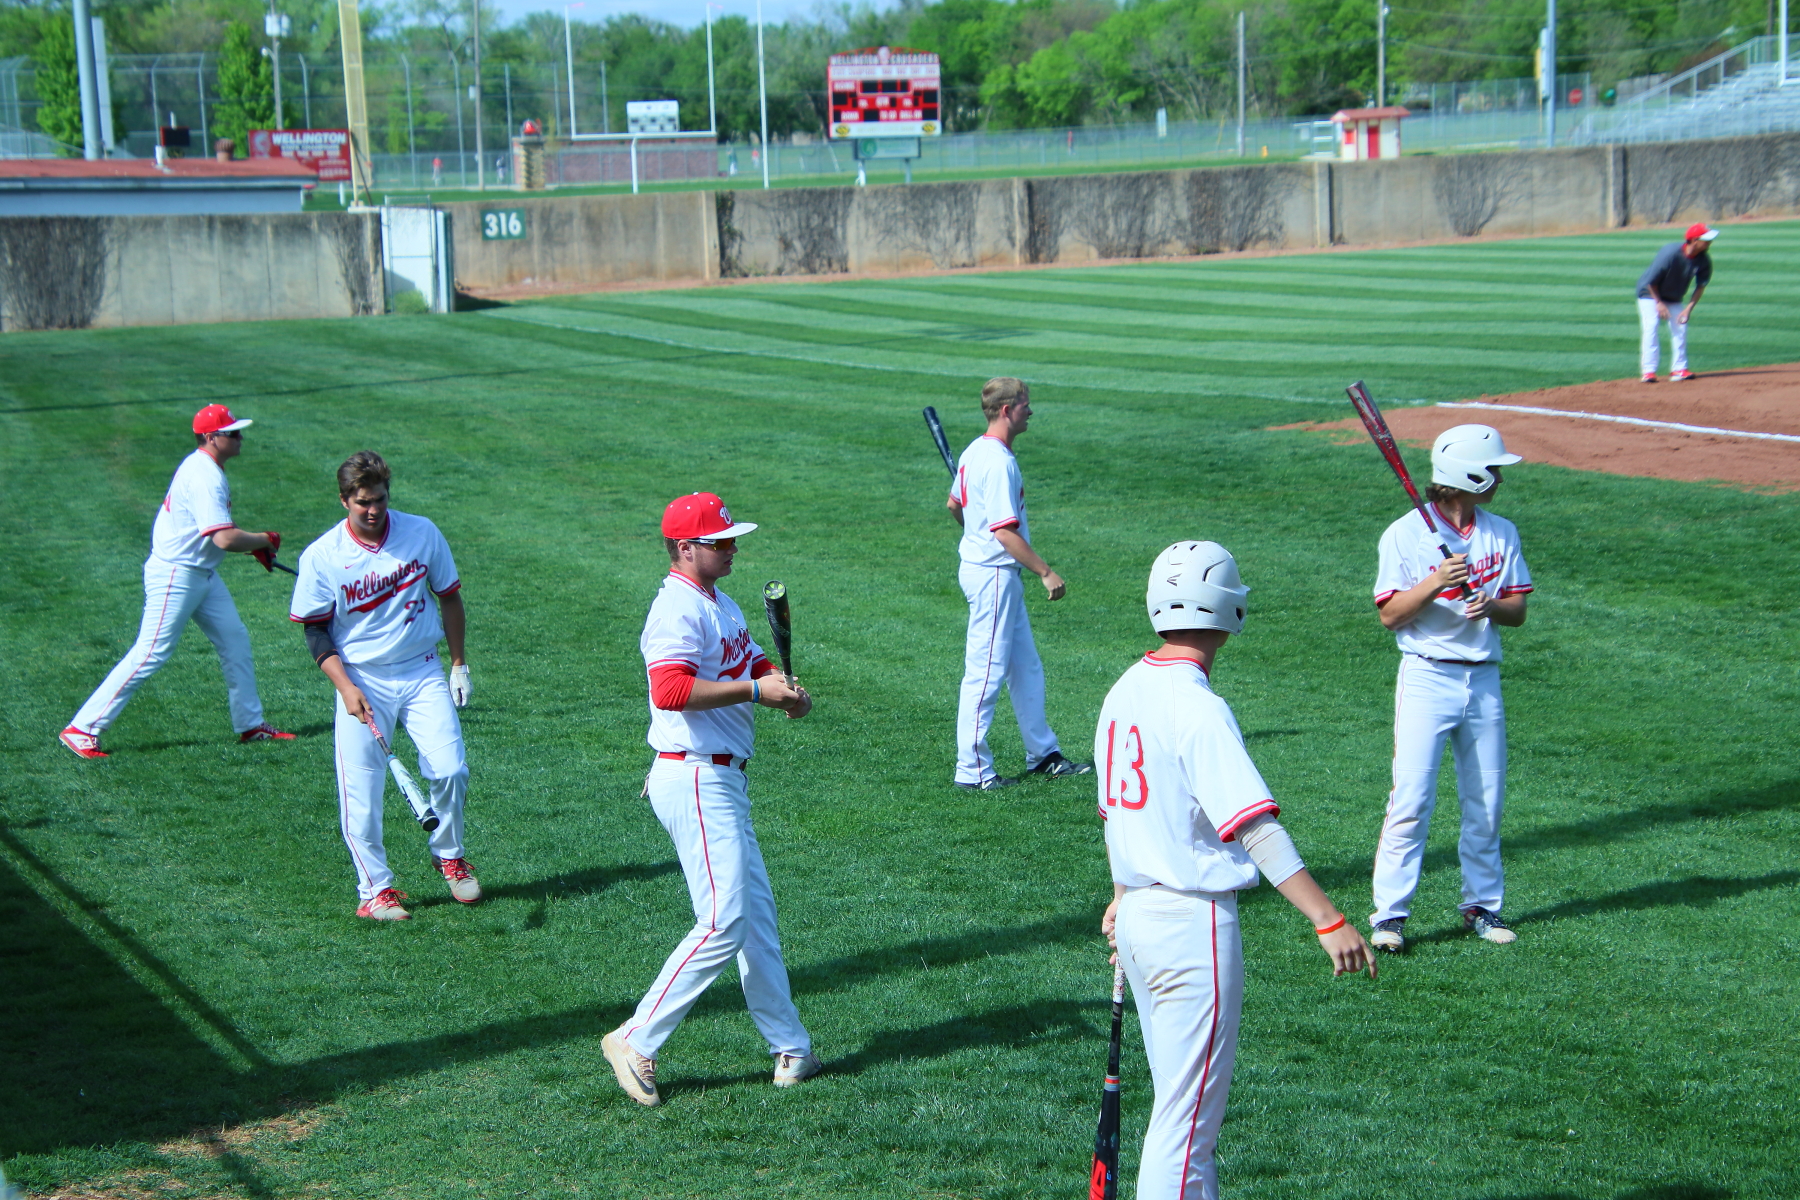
(720, 544)
(231, 433)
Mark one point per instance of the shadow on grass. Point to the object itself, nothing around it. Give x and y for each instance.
(1697, 892)
(1594, 831)
(573, 883)
(926, 953)
(1666, 1191)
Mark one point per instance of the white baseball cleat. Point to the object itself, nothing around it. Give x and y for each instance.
(461, 878)
(385, 906)
(1488, 927)
(635, 1073)
(791, 1069)
(1390, 935)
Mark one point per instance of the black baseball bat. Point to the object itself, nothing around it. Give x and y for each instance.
(775, 604)
(1377, 426)
(281, 566)
(1104, 1183)
(937, 435)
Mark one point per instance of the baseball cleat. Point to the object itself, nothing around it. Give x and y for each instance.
(1055, 766)
(1390, 935)
(1488, 927)
(1649, 376)
(1681, 376)
(636, 1074)
(992, 783)
(86, 745)
(460, 876)
(791, 1069)
(385, 906)
(264, 733)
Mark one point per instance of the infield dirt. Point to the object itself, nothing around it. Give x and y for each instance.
(1747, 400)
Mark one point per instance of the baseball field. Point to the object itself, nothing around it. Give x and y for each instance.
(188, 1007)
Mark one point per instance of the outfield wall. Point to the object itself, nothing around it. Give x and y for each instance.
(675, 236)
(95, 272)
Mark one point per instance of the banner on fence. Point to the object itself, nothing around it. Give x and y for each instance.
(326, 151)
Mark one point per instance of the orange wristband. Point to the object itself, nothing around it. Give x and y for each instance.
(1331, 928)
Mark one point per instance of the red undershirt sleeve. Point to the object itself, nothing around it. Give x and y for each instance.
(761, 667)
(671, 683)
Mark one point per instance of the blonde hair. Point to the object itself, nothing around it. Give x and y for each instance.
(1000, 392)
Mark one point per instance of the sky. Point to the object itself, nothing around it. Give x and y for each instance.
(687, 13)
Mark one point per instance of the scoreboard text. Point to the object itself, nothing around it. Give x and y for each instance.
(884, 92)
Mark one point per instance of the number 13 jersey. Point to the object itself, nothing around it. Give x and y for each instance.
(1176, 783)
(374, 596)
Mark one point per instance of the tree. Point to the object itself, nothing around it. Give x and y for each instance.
(59, 85)
(246, 88)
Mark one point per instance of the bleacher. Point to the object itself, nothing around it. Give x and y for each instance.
(1747, 98)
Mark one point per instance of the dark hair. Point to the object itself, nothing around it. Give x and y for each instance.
(364, 469)
(673, 547)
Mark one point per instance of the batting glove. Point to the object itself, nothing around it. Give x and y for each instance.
(266, 557)
(274, 541)
(459, 684)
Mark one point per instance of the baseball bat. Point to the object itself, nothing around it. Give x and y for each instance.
(1104, 1183)
(937, 435)
(775, 604)
(428, 820)
(281, 566)
(1377, 426)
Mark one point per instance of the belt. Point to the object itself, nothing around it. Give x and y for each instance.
(1456, 662)
(717, 760)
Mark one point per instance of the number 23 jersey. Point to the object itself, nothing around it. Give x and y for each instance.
(1176, 781)
(374, 597)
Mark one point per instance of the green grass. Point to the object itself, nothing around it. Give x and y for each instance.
(177, 952)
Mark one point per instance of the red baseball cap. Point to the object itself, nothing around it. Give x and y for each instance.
(1699, 230)
(701, 516)
(216, 418)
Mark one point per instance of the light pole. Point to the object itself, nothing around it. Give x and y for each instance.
(569, 49)
(462, 152)
(1550, 75)
(306, 87)
(762, 94)
(84, 70)
(1381, 16)
(475, 94)
(412, 151)
(712, 106)
(1240, 56)
(275, 27)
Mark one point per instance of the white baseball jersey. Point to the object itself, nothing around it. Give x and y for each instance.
(374, 596)
(992, 494)
(1409, 552)
(692, 628)
(197, 505)
(1177, 782)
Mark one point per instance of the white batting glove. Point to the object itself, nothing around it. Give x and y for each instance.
(459, 684)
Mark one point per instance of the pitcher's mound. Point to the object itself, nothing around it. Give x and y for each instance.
(1736, 404)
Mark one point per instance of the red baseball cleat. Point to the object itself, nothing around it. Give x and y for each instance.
(385, 906)
(1649, 376)
(264, 733)
(86, 745)
(1681, 376)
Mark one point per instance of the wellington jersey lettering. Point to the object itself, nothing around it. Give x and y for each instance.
(374, 596)
(1176, 783)
(1409, 552)
(197, 505)
(704, 631)
(991, 491)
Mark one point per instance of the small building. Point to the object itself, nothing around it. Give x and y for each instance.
(1369, 132)
(134, 187)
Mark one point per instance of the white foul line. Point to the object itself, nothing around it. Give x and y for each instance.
(1588, 416)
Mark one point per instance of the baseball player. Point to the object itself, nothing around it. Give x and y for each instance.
(987, 498)
(374, 632)
(1449, 685)
(1660, 289)
(1190, 823)
(192, 533)
(706, 675)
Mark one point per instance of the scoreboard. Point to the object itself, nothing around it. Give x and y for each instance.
(884, 92)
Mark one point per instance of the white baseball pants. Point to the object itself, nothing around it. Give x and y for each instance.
(414, 694)
(1649, 351)
(1435, 701)
(706, 809)
(1000, 650)
(1185, 960)
(172, 595)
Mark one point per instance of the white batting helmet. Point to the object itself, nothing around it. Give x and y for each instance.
(1195, 585)
(1462, 455)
